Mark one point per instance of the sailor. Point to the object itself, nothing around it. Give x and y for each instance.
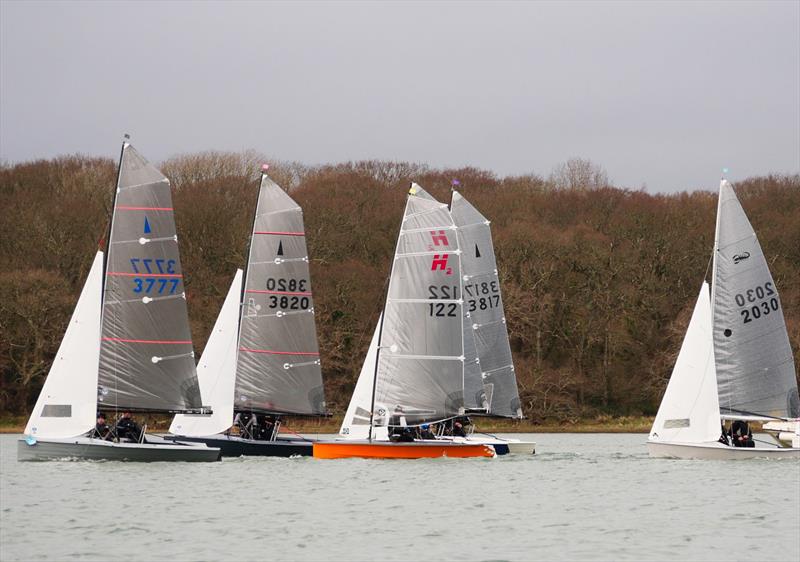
(723, 438)
(425, 432)
(127, 428)
(458, 430)
(406, 436)
(101, 429)
(264, 429)
(741, 436)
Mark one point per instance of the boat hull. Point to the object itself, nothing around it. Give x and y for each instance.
(518, 447)
(501, 446)
(85, 448)
(232, 446)
(718, 451)
(387, 450)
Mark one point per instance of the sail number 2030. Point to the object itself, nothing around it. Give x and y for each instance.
(763, 299)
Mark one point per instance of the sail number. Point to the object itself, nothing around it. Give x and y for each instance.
(485, 295)
(279, 284)
(443, 309)
(765, 301)
(146, 284)
(296, 297)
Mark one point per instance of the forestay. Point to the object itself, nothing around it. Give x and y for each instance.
(67, 402)
(216, 371)
(484, 309)
(146, 356)
(278, 368)
(755, 367)
(420, 374)
(689, 411)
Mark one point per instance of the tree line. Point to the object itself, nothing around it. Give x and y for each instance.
(598, 282)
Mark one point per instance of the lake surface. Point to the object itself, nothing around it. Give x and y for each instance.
(580, 497)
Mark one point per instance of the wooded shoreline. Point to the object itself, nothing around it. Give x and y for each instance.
(598, 282)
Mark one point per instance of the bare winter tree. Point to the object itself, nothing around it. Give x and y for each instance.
(579, 174)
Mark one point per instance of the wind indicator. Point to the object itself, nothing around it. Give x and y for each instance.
(264, 168)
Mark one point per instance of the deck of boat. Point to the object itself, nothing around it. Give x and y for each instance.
(85, 448)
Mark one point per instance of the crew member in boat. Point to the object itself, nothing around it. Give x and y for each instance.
(101, 428)
(127, 428)
(458, 429)
(741, 436)
(425, 432)
(263, 431)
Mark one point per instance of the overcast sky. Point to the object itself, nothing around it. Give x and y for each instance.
(662, 94)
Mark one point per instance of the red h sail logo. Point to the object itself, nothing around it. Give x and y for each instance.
(439, 239)
(440, 262)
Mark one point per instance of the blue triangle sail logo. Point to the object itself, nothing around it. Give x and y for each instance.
(146, 226)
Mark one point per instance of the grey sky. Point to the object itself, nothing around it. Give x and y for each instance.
(665, 94)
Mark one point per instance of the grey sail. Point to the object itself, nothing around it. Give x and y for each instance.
(474, 392)
(278, 367)
(420, 369)
(146, 354)
(755, 367)
(483, 308)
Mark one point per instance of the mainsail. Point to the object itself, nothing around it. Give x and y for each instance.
(278, 367)
(755, 367)
(420, 365)
(483, 308)
(68, 400)
(146, 355)
(689, 411)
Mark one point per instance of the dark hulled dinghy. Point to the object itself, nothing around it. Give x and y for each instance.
(262, 359)
(128, 345)
(490, 382)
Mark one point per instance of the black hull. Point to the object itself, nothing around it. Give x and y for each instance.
(238, 447)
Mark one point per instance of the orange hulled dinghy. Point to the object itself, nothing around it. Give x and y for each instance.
(413, 374)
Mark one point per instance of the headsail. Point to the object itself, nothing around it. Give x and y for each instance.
(420, 373)
(146, 355)
(357, 419)
(68, 400)
(755, 366)
(689, 411)
(216, 371)
(483, 307)
(278, 368)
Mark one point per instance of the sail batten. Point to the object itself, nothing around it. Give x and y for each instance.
(754, 361)
(278, 368)
(146, 353)
(484, 313)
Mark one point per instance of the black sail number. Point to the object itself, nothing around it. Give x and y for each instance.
(757, 302)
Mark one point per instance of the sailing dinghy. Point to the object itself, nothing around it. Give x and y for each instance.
(262, 358)
(490, 383)
(414, 370)
(736, 362)
(128, 345)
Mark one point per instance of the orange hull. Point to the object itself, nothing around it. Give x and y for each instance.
(384, 450)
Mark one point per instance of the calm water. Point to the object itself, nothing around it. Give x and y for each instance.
(581, 497)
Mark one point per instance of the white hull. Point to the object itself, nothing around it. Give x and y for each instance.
(519, 447)
(515, 446)
(717, 451)
(86, 448)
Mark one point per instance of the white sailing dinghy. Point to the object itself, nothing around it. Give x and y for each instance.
(736, 362)
(490, 383)
(128, 344)
(414, 370)
(262, 359)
